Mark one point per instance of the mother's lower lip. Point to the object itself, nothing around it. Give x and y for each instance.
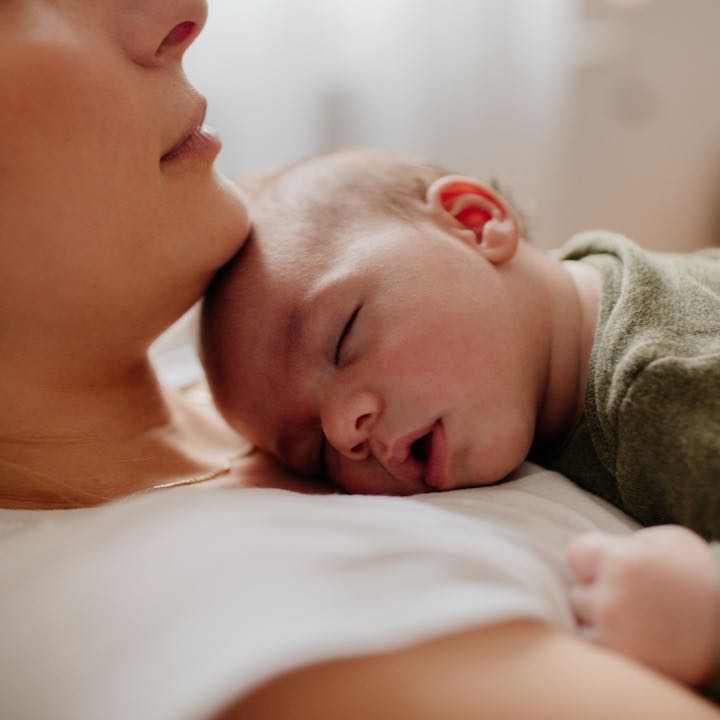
(436, 470)
(203, 144)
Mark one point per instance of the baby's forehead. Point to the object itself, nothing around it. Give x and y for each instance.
(306, 211)
(269, 282)
(294, 249)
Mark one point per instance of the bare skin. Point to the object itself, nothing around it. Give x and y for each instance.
(107, 230)
(480, 674)
(653, 596)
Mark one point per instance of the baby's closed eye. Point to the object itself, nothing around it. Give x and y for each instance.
(344, 334)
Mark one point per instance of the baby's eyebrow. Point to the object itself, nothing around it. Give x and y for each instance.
(295, 330)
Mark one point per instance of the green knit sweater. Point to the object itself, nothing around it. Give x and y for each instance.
(649, 439)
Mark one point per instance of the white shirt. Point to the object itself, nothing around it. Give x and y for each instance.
(170, 605)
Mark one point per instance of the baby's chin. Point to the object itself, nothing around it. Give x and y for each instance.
(484, 474)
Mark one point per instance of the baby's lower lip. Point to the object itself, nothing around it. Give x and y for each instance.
(202, 144)
(435, 474)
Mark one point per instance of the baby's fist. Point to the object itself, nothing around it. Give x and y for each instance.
(653, 595)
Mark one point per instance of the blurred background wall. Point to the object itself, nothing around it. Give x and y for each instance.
(595, 113)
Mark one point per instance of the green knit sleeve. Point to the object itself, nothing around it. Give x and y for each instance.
(668, 444)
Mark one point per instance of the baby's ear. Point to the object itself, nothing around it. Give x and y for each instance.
(484, 217)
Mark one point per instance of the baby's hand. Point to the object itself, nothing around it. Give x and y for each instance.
(653, 595)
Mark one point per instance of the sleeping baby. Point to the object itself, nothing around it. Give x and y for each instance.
(388, 325)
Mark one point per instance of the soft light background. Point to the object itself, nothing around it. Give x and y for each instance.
(594, 112)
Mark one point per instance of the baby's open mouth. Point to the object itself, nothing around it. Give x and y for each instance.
(418, 459)
(420, 449)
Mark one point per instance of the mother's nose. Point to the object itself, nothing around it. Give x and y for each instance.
(348, 420)
(158, 32)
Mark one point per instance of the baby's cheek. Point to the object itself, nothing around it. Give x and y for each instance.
(418, 359)
(362, 478)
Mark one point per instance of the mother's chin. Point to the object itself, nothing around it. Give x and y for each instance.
(216, 216)
(235, 221)
(212, 230)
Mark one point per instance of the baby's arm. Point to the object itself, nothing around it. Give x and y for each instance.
(653, 595)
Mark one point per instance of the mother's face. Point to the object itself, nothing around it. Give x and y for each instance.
(100, 211)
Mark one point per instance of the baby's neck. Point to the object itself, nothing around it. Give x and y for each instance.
(577, 294)
(76, 444)
(588, 283)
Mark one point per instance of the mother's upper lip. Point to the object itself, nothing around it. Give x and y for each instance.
(195, 123)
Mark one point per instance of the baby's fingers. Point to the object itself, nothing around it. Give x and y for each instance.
(583, 601)
(586, 554)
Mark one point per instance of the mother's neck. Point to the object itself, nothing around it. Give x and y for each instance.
(58, 403)
(74, 439)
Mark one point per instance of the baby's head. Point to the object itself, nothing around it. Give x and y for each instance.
(375, 326)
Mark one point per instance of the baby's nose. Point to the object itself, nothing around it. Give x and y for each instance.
(348, 422)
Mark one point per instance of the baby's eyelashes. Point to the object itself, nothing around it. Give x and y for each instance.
(347, 329)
